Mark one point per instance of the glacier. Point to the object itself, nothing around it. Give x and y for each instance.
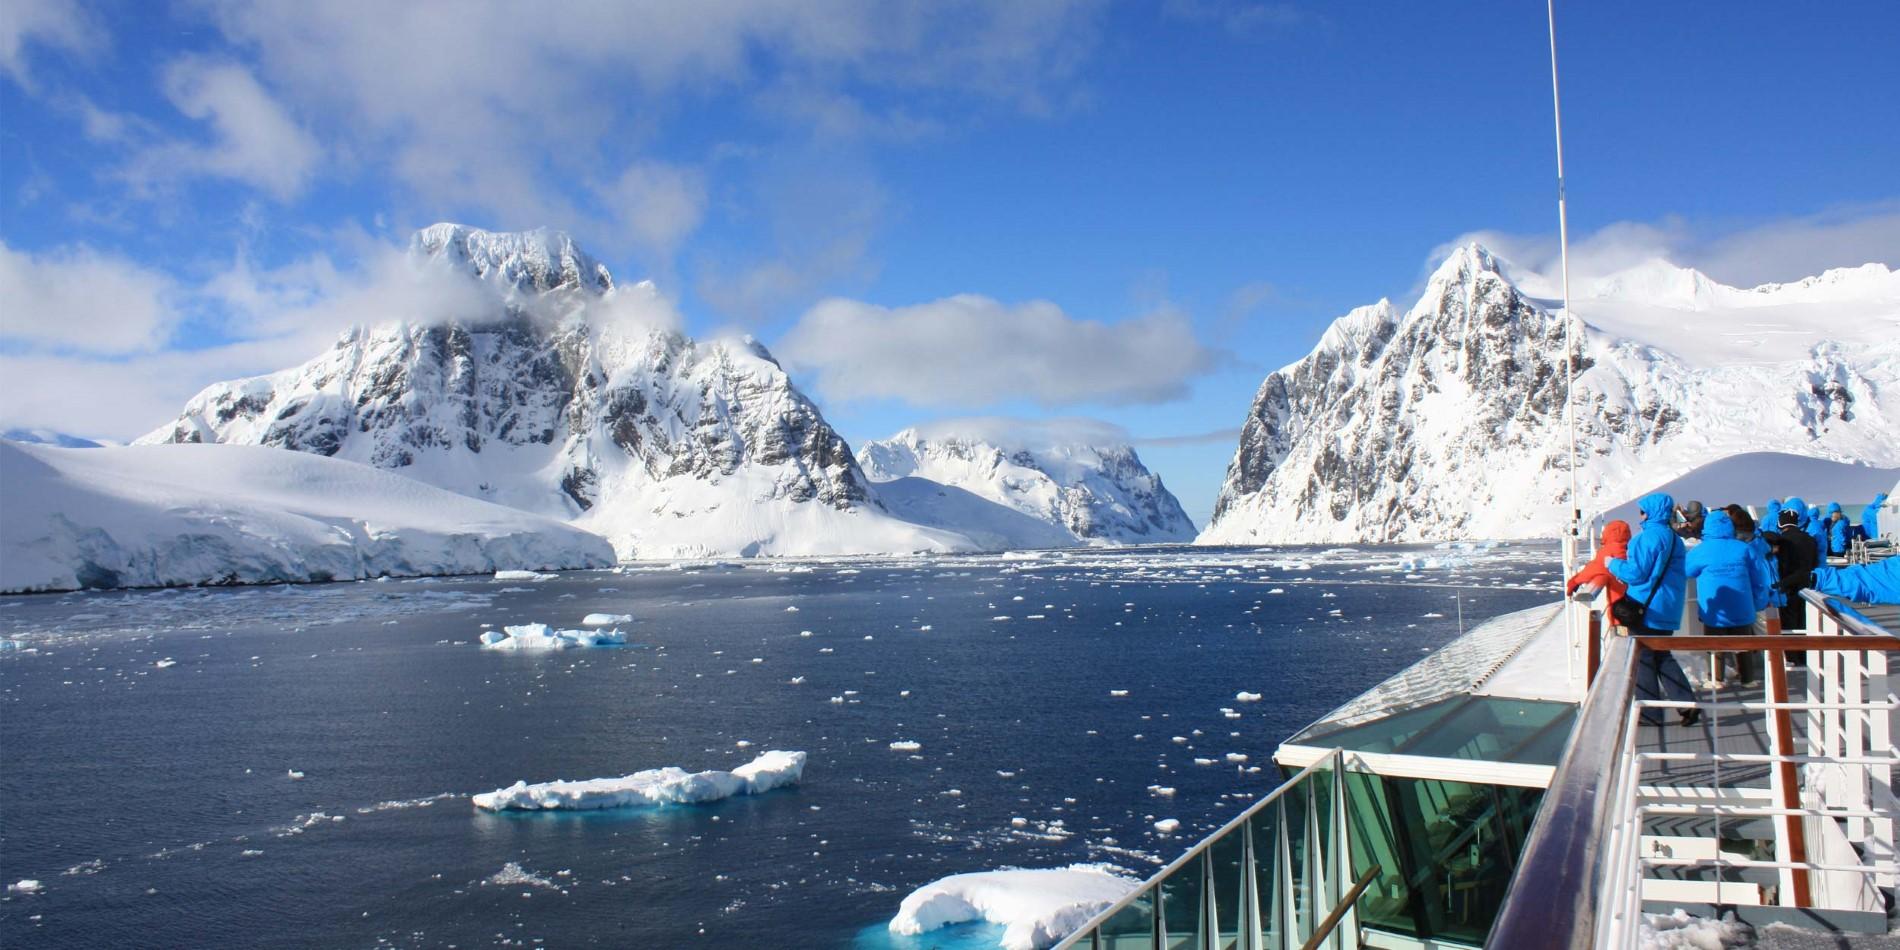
(169, 515)
(1446, 420)
(669, 785)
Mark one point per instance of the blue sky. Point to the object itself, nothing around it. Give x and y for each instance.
(1127, 212)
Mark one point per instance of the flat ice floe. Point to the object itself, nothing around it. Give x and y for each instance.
(662, 786)
(605, 620)
(540, 636)
(1035, 907)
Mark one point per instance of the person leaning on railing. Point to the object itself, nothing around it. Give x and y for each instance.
(1655, 571)
(1877, 583)
(1615, 543)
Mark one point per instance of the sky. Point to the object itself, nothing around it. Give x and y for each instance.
(1046, 210)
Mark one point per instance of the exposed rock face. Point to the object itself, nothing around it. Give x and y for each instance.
(556, 395)
(1095, 494)
(1448, 421)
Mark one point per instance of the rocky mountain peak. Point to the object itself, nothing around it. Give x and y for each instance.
(541, 260)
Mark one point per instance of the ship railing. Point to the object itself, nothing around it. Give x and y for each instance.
(1276, 877)
(1830, 804)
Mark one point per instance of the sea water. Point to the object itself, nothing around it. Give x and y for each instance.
(150, 738)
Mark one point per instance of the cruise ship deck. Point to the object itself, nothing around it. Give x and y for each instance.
(1503, 793)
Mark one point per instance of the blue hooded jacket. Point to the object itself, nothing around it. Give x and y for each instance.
(1644, 570)
(1816, 528)
(1870, 519)
(1836, 530)
(1771, 515)
(1732, 585)
(1759, 545)
(1876, 583)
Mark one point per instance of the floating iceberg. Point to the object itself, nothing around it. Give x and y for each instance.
(650, 787)
(1035, 907)
(539, 636)
(522, 576)
(605, 620)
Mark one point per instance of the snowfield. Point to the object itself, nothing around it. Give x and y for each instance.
(1035, 907)
(168, 515)
(670, 785)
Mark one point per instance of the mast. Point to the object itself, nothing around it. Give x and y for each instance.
(1572, 531)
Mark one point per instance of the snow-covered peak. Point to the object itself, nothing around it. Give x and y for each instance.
(1064, 473)
(1868, 280)
(539, 260)
(1659, 283)
(1466, 262)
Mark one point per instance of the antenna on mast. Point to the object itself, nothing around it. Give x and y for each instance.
(1572, 531)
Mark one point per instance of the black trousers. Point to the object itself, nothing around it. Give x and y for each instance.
(1747, 664)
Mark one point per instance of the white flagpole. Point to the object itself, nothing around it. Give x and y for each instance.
(1573, 532)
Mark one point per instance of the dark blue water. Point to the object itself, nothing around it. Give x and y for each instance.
(154, 805)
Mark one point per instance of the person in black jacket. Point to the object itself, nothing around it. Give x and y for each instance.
(1795, 559)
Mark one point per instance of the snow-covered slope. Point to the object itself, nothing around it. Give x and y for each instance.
(208, 514)
(1447, 420)
(1088, 493)
(561, 394)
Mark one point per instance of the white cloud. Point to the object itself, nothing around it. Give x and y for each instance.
(1783, 249)
(476, 107)
(658, 204)
(55, 24)
(84, 300)
(1013, 433)
(974, 351)
(254, 140)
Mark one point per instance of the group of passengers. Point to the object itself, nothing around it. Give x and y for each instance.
(1740, 571)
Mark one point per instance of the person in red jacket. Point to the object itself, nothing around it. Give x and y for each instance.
(1615, 543)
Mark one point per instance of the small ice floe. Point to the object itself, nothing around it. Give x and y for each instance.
(293, 774)
(25, 885)
(837, 700)
(1236, 757)
(1168, 826)
(523, 576)
(1245, 697)
(166, 663)
(770, 770)
(540, 636)
(743, 744)
(1203, 761)
(513, 874)
(1118, 693)
(798, 680)
(1000, 617)
(605, 620)
(792, 609)
(1019, 822)
(1277, 590)
(1432, 615)
(924, 629)
(906, 745)
(1161, 790)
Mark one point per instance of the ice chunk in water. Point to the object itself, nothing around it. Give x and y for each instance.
(540, 636)
(650, 787)
(605, 620)
(1035, 907)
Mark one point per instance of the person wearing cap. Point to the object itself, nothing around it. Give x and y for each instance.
(1689, 527)
(1795, 560)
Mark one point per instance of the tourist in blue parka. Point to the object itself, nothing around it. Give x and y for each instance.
(1870, 519)
(1771, 515)
(1731, 586)
(1835, 523)
(1876, 583)
(1817, 529)
(1656, 572)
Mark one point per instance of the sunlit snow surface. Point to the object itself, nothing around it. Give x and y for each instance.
(1036, 907)
(378, 693)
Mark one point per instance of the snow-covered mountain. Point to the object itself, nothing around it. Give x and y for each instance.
(1447, 420)
(148, 516)
(561, 394)
(1074, 491)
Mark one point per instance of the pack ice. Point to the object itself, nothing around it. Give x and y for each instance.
(163, 515)
(661, 786)
(1036, 907)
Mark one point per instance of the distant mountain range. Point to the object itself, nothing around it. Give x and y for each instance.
(1446, 420)
(554, 395)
